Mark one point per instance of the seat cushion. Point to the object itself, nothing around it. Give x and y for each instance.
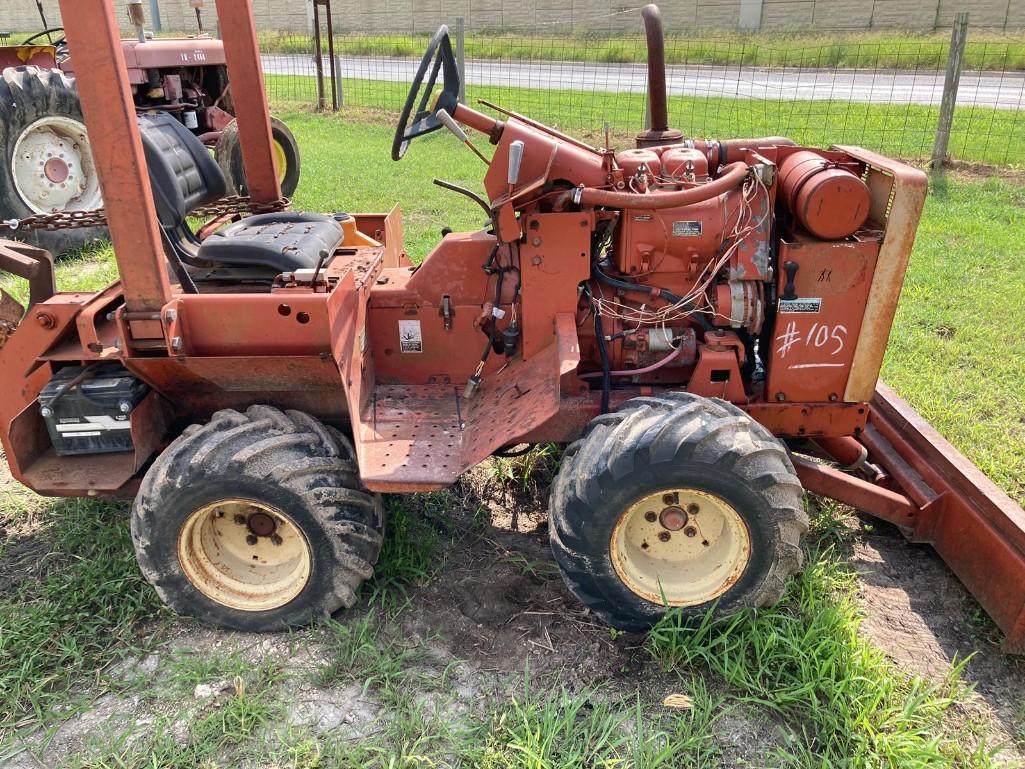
(182, 172)
(283, 241)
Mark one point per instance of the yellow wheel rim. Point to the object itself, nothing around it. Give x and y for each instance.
(280, 160)
(243, 554)
(680, 547)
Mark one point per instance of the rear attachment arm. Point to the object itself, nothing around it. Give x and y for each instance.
(935, 495)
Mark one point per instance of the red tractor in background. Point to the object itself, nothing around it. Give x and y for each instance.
(46, 163)
(701, 322)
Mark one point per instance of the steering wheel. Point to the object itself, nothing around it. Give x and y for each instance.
(49, 33)
(437, 58)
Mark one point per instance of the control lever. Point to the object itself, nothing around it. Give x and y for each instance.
(789, 292)
(449, 123)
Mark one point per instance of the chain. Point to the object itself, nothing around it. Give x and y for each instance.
(68, 220)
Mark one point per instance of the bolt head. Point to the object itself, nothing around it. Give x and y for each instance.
(251, 540)
(124, 407)
(46, 411)
(176, 343)
(691, 531)
(171, 315)
(664, 536)
(650, 516)
(45, 320)
(693, 509)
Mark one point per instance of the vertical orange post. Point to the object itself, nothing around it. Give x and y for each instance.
(102, 82)
(238, 32)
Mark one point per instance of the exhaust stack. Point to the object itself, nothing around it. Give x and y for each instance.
(658, 131)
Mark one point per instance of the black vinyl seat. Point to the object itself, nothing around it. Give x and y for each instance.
(184, 176)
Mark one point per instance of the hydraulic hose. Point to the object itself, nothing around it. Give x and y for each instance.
(733, 176)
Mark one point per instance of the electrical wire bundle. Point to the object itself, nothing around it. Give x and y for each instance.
(695, 303)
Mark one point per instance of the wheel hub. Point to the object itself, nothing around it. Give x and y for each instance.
(244, 554)
(56, 170)
(682, 547)
(52, 167)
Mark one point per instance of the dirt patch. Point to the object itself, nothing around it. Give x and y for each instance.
(924, 619)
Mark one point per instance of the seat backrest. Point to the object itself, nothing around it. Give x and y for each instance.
(182, 172)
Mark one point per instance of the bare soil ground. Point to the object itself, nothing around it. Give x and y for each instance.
(496, 609)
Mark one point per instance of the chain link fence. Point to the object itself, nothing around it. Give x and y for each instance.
(883, 94)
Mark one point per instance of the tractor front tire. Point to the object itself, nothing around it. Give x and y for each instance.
(284, 147)
(257, 521)
(46, 163)
(676, 501)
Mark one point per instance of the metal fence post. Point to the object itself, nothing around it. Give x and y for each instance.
(341, 90)
(154, 12)
(958, 37)
(461, 57)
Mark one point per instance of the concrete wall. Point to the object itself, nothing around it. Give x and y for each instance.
(554, 17)
(21, 15)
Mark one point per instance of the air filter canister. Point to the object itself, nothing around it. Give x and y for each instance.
(830, 202)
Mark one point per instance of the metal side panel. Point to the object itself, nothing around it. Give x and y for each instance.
(898, 195)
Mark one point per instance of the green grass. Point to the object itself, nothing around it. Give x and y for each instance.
(978, 134)
(876, 50)
(956, 351)
(559, 730)
(846, 704)
(81, 614)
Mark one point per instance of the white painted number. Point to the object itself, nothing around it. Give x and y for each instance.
(820, 336)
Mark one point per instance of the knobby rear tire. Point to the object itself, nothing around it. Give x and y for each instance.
(286, 460)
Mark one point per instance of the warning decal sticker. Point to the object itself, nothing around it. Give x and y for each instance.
(410, 338)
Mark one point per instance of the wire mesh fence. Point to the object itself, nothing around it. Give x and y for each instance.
(884, 95)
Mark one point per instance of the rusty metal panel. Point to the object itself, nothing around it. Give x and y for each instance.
(897, 197)
(424, 437)
(817, 328)
(109, 111)
(238, 31)
(280, 323)
(555, 259)
(810, 419)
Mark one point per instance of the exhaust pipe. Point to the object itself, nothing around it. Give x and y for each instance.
(658, 131)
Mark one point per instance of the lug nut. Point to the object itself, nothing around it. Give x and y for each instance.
(275, 539)
(691, 531)
(669, 499)
(693, 509)
(240, 519)
(664, 536)
(251, 539)
(650, 517)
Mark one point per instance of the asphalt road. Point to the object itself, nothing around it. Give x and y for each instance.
(1003, 90)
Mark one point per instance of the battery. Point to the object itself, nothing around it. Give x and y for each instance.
(88, 410)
